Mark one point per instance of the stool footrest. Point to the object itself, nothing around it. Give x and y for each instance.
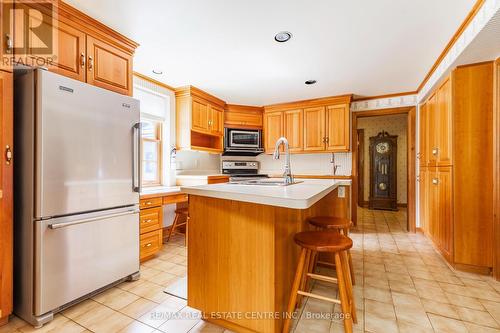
(322, 278)
(322, 298)
(326, 263)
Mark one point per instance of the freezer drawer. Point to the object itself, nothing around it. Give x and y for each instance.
(77, 255)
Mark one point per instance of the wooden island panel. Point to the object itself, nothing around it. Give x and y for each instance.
(242, 258)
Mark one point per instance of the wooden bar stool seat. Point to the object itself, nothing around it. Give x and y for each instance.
(341, 225)
(179, 212)
(328, 241)
(311, 243)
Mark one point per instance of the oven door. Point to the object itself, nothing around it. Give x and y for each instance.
(244, 139)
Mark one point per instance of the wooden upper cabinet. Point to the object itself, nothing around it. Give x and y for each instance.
(200, 116)
(337, 127)
(314, 129)
(273, 129)
(422, 154)
(444, 122)
(216, 121)
(70, 52)
(432, 135)
(199, 120)
(294, 129)
(108, 67)
(241, 116)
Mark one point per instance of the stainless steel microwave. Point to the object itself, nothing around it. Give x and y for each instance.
(242, 142)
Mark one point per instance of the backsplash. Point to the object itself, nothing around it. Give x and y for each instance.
(197, 162)
(306, 164)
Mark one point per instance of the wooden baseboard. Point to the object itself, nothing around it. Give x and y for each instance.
(4, 320)
(402, 205)
(420, 230)
(366, 204)
(473, 269)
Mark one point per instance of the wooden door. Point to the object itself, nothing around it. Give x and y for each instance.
(337, 127)
(6, 177)
(445, 211)
(433, 205)
(108, 67)
(423, 201)
(216, 122)
(314, 129)
(5, 40)
(432, 128)
(273, 129)
(444, 121)
(422, 153)
(200, 116)
(69, 50)
(294, 129)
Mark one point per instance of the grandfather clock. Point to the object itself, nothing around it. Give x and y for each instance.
(383, 166)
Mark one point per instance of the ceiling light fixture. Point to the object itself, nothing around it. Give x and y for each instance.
(157, 72)
(309, 82)
(283, 36)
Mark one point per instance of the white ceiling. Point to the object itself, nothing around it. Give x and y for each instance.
(227, 47)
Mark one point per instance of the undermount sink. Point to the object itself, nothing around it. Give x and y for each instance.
(265, 182)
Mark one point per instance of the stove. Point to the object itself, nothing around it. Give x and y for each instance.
(240, 171)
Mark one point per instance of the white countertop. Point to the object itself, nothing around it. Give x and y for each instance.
(298, 196)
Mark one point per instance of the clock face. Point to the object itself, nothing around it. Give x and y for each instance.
(382, 147)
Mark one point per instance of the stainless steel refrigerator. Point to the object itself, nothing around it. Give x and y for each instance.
(77, 184)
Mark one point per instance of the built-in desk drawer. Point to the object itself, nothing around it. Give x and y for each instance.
(150, 243)
(151, 219)
(152, 202)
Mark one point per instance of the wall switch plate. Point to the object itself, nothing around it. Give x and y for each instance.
(341, 192)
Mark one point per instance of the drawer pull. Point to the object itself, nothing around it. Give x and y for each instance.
(148, 245)
(149, 203)
(147, 221)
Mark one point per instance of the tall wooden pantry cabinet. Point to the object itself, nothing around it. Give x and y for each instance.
(456, 167)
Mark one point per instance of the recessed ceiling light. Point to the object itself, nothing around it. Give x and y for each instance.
(283, 36)
(157, 72)
(309, 82)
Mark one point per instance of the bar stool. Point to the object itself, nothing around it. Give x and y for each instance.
(178, 213)
(313, 242)
(338, 224)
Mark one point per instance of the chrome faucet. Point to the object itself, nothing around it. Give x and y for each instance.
(287, 174)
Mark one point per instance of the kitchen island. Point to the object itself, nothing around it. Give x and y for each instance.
(241, 253)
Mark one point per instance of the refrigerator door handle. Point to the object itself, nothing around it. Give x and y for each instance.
(136, 163)
(91, 219)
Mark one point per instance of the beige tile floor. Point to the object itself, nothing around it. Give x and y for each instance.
(403, 285)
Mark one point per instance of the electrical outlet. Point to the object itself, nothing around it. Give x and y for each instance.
(341, 192)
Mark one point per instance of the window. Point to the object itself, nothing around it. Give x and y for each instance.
(151, 145)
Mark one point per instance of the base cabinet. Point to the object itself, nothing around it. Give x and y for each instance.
(150, 227)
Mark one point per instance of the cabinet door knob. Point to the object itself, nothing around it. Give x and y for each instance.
(435, 181)
(9, 43)
(91, 63)
(8, 155)
(435, 151)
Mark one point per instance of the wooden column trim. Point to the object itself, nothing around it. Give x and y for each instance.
(496, 171)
